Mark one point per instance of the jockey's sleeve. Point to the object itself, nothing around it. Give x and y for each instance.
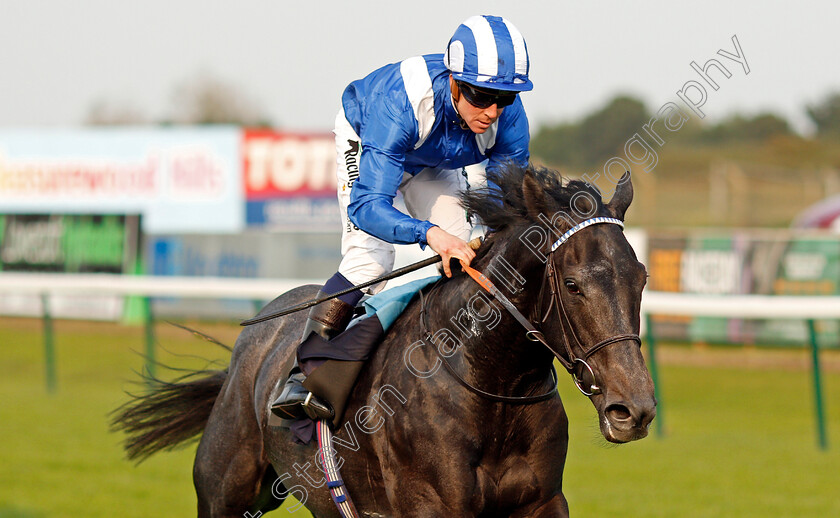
(512, 140)
(386, 136)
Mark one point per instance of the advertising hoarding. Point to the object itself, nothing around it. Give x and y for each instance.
(177, 179)
(744, 262)
(70, 243)
(289, 181)
(251, 254)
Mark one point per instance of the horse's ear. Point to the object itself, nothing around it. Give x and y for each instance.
(536, 200)
(622, 197)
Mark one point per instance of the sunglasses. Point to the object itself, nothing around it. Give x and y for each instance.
(485, 98)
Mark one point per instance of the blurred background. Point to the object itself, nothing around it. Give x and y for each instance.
(193, 139)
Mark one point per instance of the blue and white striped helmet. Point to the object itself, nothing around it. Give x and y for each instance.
(488, 51)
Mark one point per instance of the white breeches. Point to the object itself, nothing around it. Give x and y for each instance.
(429, 195)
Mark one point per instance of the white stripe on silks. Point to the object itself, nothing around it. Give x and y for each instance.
(485, 45)
(418, 87)
(454, 57)
(582, 225)
(487, 139)
(518, 48)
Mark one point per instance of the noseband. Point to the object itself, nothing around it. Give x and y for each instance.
(574, 364)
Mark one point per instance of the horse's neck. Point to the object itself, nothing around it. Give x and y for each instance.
(494, 352)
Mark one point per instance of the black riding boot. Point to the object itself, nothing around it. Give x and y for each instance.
(326, 319)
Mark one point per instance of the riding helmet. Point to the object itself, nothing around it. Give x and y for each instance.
(488, 51)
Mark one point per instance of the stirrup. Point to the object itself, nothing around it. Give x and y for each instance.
(296, 402)
(312, 407)
(317, 409)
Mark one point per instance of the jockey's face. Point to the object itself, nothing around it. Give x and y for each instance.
(477, 119)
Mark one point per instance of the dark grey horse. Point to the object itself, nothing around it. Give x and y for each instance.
(414, 440)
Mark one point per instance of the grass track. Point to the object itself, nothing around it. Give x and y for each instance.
(739, 442)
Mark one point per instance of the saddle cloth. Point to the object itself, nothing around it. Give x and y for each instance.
(390, 304)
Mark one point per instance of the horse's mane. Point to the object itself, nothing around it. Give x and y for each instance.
(504, 205)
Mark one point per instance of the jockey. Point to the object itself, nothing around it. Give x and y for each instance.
(411, 127)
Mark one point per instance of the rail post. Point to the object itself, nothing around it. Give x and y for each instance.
(49, 344)
(149, 319)
(654, 374)
(822, 438)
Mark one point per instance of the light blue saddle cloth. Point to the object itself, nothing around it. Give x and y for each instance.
(389, 304)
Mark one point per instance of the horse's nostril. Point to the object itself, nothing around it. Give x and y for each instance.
(618, 412)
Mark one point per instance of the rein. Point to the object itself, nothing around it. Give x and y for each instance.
(516, 400)
(574, 364)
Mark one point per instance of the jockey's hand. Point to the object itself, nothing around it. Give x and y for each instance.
(449, 247)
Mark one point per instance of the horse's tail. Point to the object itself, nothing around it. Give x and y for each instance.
(169, 414)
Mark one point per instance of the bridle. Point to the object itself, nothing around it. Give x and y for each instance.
(574, 364)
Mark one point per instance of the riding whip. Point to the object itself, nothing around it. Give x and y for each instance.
(474, 244)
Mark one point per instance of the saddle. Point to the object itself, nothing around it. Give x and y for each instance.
(332, 367)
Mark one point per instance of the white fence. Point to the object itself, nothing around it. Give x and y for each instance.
(808, 308)
(148, 286)
(659, 303)
(742, 306)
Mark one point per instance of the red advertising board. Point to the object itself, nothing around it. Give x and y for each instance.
(285, 165)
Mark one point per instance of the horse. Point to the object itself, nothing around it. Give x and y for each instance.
(486, 435)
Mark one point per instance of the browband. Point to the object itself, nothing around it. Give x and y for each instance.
(582, 225)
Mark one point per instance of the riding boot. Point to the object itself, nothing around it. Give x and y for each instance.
(327, 320)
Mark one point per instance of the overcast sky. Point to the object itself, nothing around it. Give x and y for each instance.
(293, 59)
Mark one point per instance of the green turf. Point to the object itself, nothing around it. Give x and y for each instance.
(739, 443)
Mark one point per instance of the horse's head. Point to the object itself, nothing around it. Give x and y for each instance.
(587, 287)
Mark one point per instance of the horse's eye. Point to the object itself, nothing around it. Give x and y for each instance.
(572, 287)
